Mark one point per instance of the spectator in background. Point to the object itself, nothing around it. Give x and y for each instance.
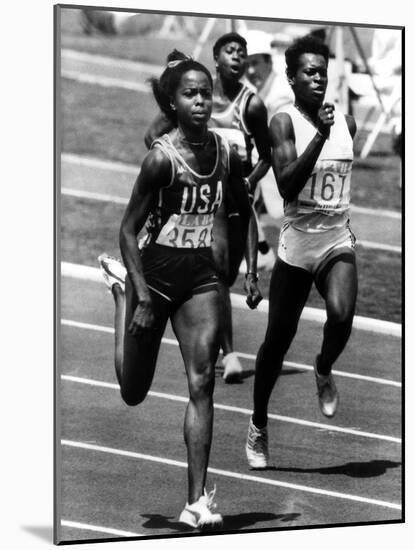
(271, 86)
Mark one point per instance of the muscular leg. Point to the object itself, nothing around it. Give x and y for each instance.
(135, 356)
(119, 321)
(226, 333)
(196, 325)
(338, 286)
(289, 289)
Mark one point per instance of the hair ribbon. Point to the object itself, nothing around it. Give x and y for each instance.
(172, 64)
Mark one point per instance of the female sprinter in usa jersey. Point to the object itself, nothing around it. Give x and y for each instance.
(177, 195)
(240, 117)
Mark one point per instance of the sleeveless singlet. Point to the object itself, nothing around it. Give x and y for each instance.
(323, 203)
(184, 214)
(230, 123)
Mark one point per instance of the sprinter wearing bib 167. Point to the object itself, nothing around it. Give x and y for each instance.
(312, 154)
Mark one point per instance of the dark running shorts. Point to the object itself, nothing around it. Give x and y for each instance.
(177, 274)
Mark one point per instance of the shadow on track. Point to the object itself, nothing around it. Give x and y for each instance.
(241, 521)
(230, 523)
(247, 373)
(374, 468)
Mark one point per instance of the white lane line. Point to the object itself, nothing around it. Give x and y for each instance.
(117, 63)
(379, 246)
(93, 196)
(287, 419)
(131, 168)
(375, 211)
(89, 273)
(292, 364)
(106, 81)
(235, 475)
(92, 162)
(98, 529)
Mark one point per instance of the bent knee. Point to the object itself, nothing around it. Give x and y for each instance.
(201, 383)
(341, 316)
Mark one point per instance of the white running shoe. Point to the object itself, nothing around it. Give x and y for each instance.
(328, 396)
(200, 515)
(257, 446)
(233, 368)
(112, 270)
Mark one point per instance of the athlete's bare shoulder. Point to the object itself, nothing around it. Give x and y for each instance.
(157, 168)
(255, 108)
(281, 127)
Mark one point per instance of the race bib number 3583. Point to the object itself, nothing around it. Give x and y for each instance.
(328, 188)
(187, 231)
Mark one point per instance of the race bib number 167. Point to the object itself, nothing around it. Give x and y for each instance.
(328, 188)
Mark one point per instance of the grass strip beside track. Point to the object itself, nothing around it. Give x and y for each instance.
(110, 123)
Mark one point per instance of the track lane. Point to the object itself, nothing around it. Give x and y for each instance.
(129, 488)
(86, 354)
(101, 420)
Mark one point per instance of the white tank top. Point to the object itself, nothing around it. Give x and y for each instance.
(324, 201)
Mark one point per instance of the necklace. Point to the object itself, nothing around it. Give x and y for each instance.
(194, 143)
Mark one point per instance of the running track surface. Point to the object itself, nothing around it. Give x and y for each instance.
(123, 469)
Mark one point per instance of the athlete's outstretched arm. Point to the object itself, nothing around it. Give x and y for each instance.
(155, 173)
(249, 226)
(257, 121)
(160, 125)
(292, 171)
